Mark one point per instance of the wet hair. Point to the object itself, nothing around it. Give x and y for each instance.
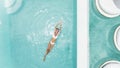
(57, 28)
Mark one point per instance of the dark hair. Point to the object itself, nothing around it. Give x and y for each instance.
(57, 29)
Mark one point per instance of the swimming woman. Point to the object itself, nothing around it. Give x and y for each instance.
(53, 40)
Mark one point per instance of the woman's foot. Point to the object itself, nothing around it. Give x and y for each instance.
(44, 58)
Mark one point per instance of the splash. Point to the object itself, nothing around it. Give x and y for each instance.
(41, 11)
(0, 22)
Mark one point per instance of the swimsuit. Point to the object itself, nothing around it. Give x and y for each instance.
(55, 37)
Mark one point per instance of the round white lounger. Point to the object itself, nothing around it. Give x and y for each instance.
(108, 8)
(117, 38)
(12, 5)
(111, 64)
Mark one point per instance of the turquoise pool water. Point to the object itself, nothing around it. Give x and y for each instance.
(101, 32)
(26, 29)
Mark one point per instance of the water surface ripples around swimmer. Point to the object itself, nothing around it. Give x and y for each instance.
(32, 26)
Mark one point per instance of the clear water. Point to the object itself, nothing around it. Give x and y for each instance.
(101, 32)
(25, 31)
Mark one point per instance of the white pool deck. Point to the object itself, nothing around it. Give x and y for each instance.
(82, 33)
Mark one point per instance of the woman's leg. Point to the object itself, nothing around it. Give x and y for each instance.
(50, 46)
(47, 52)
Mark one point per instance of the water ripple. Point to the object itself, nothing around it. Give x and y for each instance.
(0, 22)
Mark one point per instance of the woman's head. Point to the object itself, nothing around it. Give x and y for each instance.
(56, 31)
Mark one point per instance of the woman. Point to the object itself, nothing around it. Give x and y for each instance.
(52, 41)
